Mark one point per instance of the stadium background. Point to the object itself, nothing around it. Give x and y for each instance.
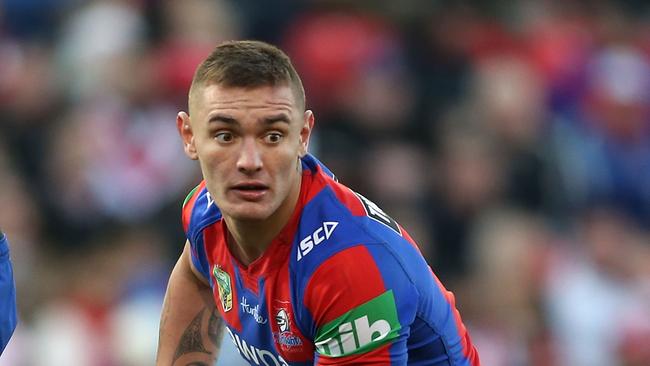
(511, 138)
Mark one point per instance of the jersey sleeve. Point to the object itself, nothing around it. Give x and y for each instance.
(197, 249)
(358, 319)
(372, 306)
(8, 317)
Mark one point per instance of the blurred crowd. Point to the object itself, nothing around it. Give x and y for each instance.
(511, 138)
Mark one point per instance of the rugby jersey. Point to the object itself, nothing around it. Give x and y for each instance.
(8, 317)
(342, 283)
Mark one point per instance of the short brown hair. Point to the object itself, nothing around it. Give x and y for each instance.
(248, 64)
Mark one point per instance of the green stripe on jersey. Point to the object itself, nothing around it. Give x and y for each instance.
(189, 195)
(362, 329)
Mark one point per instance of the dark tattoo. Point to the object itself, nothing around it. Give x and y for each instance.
(215, 328)
(191, 340)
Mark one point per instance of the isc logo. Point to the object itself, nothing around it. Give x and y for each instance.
(322, 233)
(345, 342)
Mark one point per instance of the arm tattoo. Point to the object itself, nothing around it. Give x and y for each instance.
(191, 340)
(215, 328)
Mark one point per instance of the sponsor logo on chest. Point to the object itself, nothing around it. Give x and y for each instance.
(254, 355)
(253, 311)
(321, 234)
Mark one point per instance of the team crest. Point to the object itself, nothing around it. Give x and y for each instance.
(285, 338)
(225, 290)
(282, 319)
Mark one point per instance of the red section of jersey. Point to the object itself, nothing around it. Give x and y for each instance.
(289, 341)
(218, 255)
(189, 206)
(379, 356)
(328, 295)
(316, 184)
(346, 196)
(468, 347)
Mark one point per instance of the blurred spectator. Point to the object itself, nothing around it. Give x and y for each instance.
(31, 20)
(96, 35)
(594, 288)
(395, 174)
(189, 31)
(509, 106)
(348, 59)
(469, 180)
(508, 257)
(602, 148)
(102, 304)
(112, 162)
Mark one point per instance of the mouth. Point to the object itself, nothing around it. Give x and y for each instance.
(250, 191)
(249, 187)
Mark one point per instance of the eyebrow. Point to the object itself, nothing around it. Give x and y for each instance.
(222, 118)
(282, 117)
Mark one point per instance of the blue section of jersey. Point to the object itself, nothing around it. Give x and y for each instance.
(8, 313)
(310, 162)
(420, 303)
(394, 273)
(199, 257)
(256, 339)
(252, 312)
(433, 326)
(320, 213)
(204, 213)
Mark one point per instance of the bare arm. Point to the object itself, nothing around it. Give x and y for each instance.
(190, 325)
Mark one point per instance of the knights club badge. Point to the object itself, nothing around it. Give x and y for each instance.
(225, 289)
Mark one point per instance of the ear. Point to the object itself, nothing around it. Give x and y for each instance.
(305, 131)
(187, 135)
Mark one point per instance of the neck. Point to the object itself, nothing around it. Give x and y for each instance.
(249, 239)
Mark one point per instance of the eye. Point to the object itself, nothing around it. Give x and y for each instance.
(224, 137)
(273, 137)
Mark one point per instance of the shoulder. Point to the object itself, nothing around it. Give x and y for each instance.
(199, 210)
(336, 221)
(363, 289)
(345, 238)
(336, 218)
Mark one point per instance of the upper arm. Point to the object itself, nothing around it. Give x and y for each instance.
(359, 315)
(190, 327)
(192, 262)
(197, 255)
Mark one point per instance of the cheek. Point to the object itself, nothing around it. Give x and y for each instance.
(213, 165)
(286, 164)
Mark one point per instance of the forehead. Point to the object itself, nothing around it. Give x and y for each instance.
(217, 98)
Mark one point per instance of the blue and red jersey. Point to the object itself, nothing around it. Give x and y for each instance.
(8, 318)
(342, 283)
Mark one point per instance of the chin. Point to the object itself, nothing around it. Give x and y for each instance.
(248, 213)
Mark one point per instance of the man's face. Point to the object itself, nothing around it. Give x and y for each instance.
(248, 142)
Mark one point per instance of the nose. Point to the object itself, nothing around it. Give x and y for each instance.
(249, 160)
